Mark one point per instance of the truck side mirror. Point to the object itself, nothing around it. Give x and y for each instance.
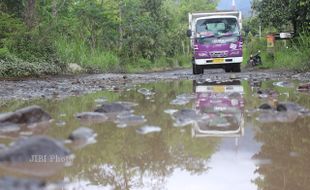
(189, 33)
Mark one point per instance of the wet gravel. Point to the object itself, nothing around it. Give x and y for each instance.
(61, 87)
(217, 114)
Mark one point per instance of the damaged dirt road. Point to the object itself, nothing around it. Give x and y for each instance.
(151, 131)
(60, 87)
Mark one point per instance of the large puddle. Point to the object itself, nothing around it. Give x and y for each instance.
(187, 135)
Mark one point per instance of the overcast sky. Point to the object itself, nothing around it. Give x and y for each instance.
(243, 5)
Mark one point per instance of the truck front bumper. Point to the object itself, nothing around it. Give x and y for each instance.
(221, 61)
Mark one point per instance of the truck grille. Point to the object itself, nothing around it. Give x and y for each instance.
(219, 53)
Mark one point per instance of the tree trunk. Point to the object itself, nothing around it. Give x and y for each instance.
(54, 8)
(295, 27)
(120, 27)
(30, 13)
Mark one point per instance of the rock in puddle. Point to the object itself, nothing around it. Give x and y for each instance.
(12, 183)
(282, 117)
(304, 87)
(284, 107)
(179, 101)
(28, 115)
(284, 84)
(185, 117)
(82, 137)
(170, 111)
(101, 100)
(30, 119)
(186, 96)
(91, 117)
(266, 93)
(128, 104)
(148, 129)
(82, 133)
(60, 123)
(295, 107)
(281, 108)
(146, 92)
(8, 128)
(128, 119)
(183, 99)
(265, 107)
(36, 156)
(110, 108)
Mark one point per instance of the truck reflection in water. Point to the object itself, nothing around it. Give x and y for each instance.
(221, 105)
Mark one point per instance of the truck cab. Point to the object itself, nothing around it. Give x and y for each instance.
(216, 40)
(222, 105)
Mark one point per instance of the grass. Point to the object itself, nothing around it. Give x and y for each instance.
(106, 61)
(293, 54)
(78, 52)
(162, 63)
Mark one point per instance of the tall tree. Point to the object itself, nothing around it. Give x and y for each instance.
(283, 13)
(30, 13)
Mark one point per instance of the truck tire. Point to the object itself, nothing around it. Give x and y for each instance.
(197, 69)
(236, 68)
(228, 69)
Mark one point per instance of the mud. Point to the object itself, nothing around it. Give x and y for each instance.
(151, 131)
(61, 87)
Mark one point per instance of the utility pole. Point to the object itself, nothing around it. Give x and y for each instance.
(233, 5)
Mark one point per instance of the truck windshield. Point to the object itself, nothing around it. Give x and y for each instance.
(218, 30)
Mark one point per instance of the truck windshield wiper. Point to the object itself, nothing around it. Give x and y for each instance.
(209, 36)
(225, 35)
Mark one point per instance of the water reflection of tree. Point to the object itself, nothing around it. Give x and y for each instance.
(284, 156)
(123, 159)
(129, 161)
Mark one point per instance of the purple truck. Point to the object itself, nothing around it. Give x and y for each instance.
(222, 107)
(216, 40)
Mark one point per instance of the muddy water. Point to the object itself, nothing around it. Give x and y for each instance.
(239, 151)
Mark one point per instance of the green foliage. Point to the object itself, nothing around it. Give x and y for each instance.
(20, 68)
(106, 35)
(284, 14)
(78, 52)
(297, 56)
(12, 7)
(9, 28)
(251, 26)
(253, 45)
(294, 54)
(4, 53)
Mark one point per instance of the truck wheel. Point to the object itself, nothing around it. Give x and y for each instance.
(197, 70)
(236, 68)
(227, 69)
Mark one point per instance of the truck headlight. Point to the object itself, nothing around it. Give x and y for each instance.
(202, 54)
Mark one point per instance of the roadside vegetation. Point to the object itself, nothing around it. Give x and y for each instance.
(45, 37)
(275, 18)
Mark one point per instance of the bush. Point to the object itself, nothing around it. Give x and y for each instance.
(292, 59)
(4, 53)
(91, 59)
(253, 46)
(294, 54)
(20, 68)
